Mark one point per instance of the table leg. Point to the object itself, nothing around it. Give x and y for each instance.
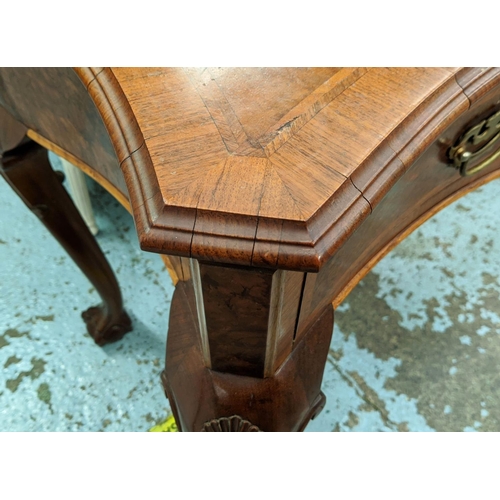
(27, 169)
(80, 192)
(233, 360)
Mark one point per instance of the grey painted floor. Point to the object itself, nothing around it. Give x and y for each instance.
(415, 346)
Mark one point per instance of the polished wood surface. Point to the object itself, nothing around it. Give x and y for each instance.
(428, 184)
(269, 192)
(285, 401)
(54, 103)
(293, 190)
(12, 132)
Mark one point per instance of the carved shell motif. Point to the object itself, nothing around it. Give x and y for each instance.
(229, 424)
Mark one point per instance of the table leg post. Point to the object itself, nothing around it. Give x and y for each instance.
(28, 171)
(80, 192)
(233, 362)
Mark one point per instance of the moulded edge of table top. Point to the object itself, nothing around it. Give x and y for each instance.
(213, 228)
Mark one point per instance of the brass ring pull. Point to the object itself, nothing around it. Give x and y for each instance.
(486, 132)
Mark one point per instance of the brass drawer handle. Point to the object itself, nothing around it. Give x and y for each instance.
(488, 132)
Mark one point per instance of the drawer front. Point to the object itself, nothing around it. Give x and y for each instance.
(435, 179)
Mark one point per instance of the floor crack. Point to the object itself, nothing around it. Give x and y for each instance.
(355, 381)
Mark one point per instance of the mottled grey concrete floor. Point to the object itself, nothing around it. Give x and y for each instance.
(415, 346)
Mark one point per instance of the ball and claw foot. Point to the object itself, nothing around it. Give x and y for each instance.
(104, 329)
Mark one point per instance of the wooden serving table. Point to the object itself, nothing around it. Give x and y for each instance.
(269, 192)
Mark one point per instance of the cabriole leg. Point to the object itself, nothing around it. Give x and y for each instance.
(28, 171)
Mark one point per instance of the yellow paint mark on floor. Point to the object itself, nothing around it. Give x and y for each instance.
(168, 426)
